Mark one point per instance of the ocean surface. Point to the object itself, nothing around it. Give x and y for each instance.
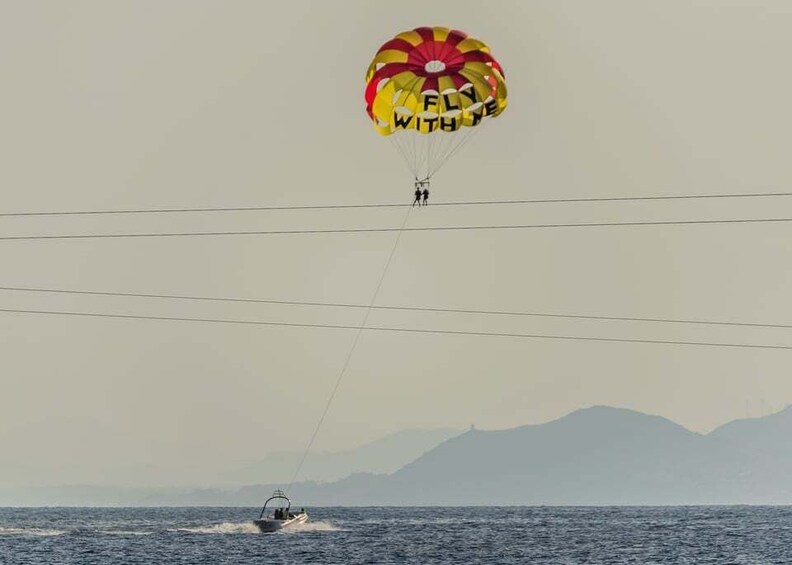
(693, 535)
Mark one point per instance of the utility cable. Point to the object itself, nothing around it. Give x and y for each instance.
(394, 204)
(399, 330)
(399, 308)
(388, 230)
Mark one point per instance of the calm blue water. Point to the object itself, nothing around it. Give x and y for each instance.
(735, 535)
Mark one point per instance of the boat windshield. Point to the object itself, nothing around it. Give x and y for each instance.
(282, 506)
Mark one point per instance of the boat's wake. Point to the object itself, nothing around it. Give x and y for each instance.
(250, 528)
(125, 533)
(37, 532)
(311, 527)
(224, 528)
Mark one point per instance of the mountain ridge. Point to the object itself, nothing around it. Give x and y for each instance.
(598, 455)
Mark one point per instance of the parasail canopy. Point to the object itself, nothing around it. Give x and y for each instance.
(428, 90)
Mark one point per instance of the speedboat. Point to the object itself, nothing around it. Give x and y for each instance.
(281, 515)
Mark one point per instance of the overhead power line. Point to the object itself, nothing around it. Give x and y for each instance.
(398, 308)
(392, 205)
(398, 330)
(388, 230)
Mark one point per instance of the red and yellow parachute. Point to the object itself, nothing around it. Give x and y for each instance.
(428, 88)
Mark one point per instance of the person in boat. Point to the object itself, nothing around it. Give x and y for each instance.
(425, 194)
(417, 193)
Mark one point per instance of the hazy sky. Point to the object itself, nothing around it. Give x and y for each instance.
(121, 105)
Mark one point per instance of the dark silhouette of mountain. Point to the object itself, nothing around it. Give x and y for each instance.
(594, 456)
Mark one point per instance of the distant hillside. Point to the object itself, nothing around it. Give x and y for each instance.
(384, 455)
(770, 434)
(594, 456)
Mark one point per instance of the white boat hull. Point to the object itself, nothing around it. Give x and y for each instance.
(267, 525)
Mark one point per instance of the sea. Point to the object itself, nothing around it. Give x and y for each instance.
(492, 535)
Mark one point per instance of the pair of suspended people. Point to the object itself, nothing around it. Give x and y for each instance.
(428, 90)
(421, 192)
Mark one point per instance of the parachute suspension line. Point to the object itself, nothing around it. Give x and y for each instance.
(430, 153)
(419, 152)
(398, 142)
(441, 146)
(434, 149)
(420, 144)
(351, 352)
(447, 142)
(426, 153)
(464, 139)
